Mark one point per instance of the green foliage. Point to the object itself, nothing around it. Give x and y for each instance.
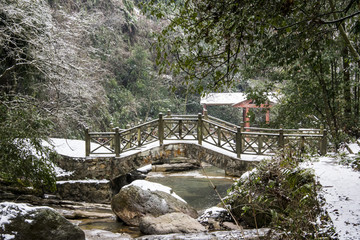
(307, 50)
(279, 194)
(226, 113)
(136, 93)
(23, 159)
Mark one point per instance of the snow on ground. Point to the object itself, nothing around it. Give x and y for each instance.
(71, 147)
(151, 186)
(84, 181)
(341, 191)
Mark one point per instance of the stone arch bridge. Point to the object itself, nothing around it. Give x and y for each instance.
(110, 155)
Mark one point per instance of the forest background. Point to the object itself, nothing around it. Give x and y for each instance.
(71, 64)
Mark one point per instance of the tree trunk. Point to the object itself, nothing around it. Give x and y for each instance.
(348, 123)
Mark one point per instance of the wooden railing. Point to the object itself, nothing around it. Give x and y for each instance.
(204, 129)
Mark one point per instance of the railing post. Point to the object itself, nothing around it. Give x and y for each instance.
(200, 129)
(161, 129)
(112, 142)
(139, 136)
(260, 144)
(238, 141)
(242, 142)
(302, 144)
(281, 137)
(180, 128)
(218, 131)
(117, 142)
(128, 137)
(87, 142)
(206, 126)
(323, 146)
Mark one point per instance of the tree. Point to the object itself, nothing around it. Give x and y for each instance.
(306, 45)
(23, 158)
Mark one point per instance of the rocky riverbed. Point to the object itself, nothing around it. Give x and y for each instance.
(99, 222)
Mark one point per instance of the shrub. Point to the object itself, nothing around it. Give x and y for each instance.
(278, 193)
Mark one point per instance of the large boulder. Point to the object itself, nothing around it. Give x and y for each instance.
(21, 221)
(141, 198)
(170, 223)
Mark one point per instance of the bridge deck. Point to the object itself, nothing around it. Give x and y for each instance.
(76, 149)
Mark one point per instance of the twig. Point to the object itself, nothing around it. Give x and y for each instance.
(223, 203)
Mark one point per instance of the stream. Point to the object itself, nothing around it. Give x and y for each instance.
(193, 186)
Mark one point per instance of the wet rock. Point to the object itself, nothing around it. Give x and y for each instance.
(105, 235)
(24, 222)
(170, 223)
(80, 214)
(143, 198)
(117, 183)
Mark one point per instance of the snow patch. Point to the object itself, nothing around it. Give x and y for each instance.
(145, 169)
(214, 211)
(10, 210)
(150, 186)
(84, 181)
(59, 172)
(8, 236)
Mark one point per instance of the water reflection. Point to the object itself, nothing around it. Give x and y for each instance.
(194, 187)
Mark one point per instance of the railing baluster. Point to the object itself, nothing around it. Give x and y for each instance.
(180, 128)
(218, 131)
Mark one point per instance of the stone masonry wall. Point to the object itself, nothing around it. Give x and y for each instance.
(111, 168)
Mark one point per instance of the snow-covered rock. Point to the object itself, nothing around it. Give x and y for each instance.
(214, 219)
(141, 198)
(22, 221)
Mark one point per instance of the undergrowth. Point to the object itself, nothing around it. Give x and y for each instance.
(279, 194)
(348, 160)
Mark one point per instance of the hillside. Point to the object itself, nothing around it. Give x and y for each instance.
(84, 63)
